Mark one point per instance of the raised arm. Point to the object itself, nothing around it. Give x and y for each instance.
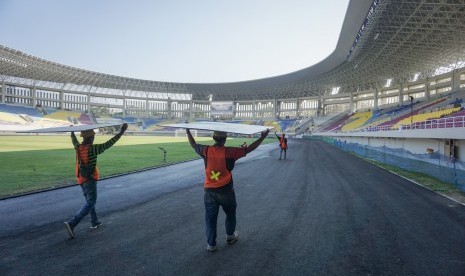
(276, 135)
(74, 139)
(255, 144)
(191, 139)
(99, 148)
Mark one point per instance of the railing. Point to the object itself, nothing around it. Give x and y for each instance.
(450, 122)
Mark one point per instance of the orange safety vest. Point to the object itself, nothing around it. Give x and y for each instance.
(216, 172)
(82, 155)
(282, 143)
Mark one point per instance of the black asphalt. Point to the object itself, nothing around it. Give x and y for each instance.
(320, 212)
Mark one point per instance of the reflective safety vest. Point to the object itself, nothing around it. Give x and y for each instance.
(282, 143)
(216, 172)
(84, 173)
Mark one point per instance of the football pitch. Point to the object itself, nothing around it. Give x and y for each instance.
(36, 162)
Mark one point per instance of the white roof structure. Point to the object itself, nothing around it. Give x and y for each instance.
(379, 40)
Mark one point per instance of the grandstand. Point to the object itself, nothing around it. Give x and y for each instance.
(396, 79)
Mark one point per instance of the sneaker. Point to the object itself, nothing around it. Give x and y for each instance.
(211, 248)
(69, 230)
(230, 239)
(95, 226)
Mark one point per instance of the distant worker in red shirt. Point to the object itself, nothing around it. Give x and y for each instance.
(87, 174)
(282, 145)
(219, 190)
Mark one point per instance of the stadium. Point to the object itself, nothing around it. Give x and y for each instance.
(392, 91)
(393, 68)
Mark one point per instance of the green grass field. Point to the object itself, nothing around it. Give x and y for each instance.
(31, 163)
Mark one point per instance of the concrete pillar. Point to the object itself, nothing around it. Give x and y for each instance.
(455, 80)
(88, 101)
(401, 94)
(191, 109)
(375, 99)
(427, 92)
(319, 111)
(276, 109)
(147, 109)
(254, 110)
(234, 109)
(168, 108)
(124, 104)
(62, 97)
(3, 92)
(351, 105)
(34, 96)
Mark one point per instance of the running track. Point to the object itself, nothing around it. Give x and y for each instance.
(321, 212)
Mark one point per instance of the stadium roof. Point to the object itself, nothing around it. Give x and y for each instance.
(379, 40)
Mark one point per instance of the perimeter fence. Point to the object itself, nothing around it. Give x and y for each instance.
(449, 170)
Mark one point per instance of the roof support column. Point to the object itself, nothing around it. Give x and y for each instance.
(319, 111)
(401, 94)
(234, 109)
(168, 108)
(375, 99)
(191, 108)
(88, 101)
(124, 104)
(147, 111)
(427, 92)
(254, 110)
(276, 109)
(3, 92)
(34, 96)
(61, 96)
(124, 107)
(351, 105)
(455, 80)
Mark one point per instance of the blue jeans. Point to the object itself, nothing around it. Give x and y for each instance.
(89, 189)
(281, 153)
(213, 200)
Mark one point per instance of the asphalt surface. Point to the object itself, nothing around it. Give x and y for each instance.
(320, 212)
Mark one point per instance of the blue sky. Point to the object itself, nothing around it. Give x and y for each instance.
(176, 40)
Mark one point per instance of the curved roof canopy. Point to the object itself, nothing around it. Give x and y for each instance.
(379, 40)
